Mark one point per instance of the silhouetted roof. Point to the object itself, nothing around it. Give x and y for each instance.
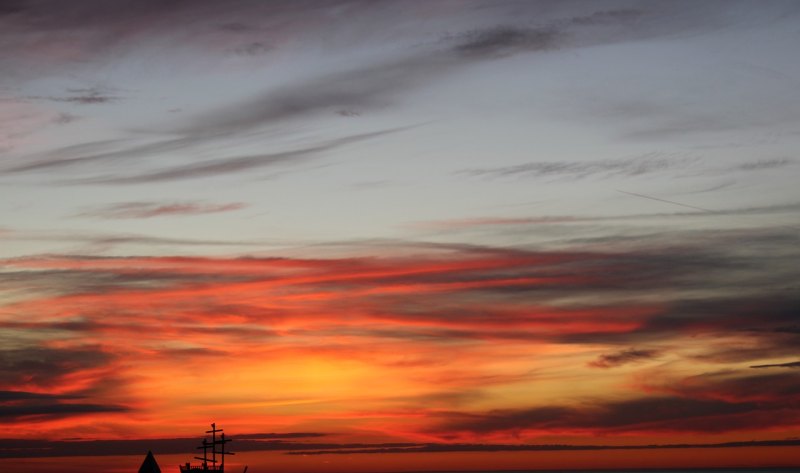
(149, 464)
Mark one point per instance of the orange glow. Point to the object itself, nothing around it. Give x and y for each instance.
(345, 347)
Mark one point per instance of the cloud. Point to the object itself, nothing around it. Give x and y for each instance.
(18, 406)
(239, 163)
(98, 242)
(791, 364)
(250, 30)
(631, 355)
(255, 48)
(537, 220)
(65, 118)
(380, 82)
(506, 311)
(288, 444)
(646, 414)
(90, 99)
(647, 164)
(221, 166)
(472, 447)
(763, 164)
(126, 210)
(36, 448)
(45, 367)
(504, 41)
(82, 96)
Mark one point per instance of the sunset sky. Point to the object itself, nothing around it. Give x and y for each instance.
(400, 235)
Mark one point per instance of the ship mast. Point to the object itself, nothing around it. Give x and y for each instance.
(212, 445)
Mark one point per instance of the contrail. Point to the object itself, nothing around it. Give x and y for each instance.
(667, 201)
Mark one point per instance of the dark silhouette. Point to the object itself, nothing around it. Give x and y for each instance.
(149, 465)
(210, 464)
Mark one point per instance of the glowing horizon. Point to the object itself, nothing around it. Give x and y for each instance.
(465, 230)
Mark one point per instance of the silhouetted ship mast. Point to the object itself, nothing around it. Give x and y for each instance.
(210, 463)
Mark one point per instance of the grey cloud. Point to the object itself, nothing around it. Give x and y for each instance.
(253, 49)
(348, 113)
(378, 84)
(94, 152)
(505, 41)
(65, 118)
(631, 355)
(647, 164)
(105, 239)
(86, 99)
(608, 16)
(84, 96)
(455, 225)
(235, 164)
(128, 210)
(374, 86)
(766, 164)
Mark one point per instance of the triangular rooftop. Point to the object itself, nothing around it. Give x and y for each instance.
(149, 464)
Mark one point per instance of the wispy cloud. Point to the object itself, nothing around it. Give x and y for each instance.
(504, 41)
(374, 85)
(473, 447)
(647, 414)
(763, 164)
(125, 210)
(235, 164)
(631, 355)
(18, 406)
(791, 364)
(701, 212)
(647, 164)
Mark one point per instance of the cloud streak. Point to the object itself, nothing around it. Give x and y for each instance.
(125, 210)
(381, 313)
(632, 355)
(604, 169)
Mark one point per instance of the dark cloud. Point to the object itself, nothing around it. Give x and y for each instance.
(44, 367)
(506, 294)
(769, 389)
(505, 41)
(472, 447)
(649, 414)
(631, 355)
(126, 210)
(749, 317)
(791, 364)
(27, 448)
(37, 411)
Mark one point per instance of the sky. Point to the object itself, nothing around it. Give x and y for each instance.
(410, 235)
